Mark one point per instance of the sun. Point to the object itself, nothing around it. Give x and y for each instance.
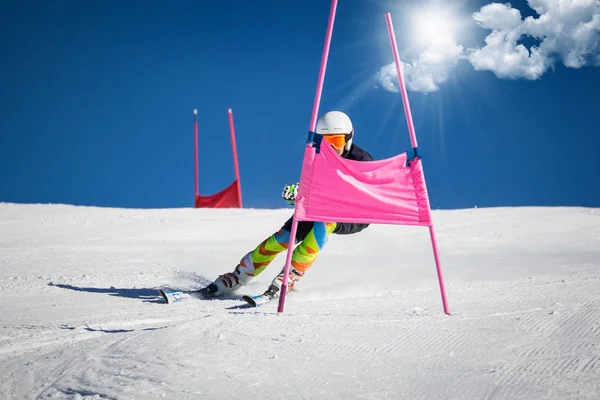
(433, 24)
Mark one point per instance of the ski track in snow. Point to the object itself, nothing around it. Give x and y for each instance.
(81, 318)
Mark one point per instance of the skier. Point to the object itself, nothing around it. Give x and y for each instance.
(336, 128)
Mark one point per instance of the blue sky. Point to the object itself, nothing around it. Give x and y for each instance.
(97, 98)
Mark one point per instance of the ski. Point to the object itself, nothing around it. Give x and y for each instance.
(174, 296)
(257, 301)
(260, 300)
(171, 295)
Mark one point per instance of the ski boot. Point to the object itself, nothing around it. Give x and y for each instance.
(230, 282)
(275, 288)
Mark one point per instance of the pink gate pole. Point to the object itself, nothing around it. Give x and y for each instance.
(313, 124)
(413, 140)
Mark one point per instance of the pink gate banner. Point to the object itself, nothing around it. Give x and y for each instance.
(386, 191)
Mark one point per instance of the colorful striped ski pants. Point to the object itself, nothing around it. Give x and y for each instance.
(310, 239)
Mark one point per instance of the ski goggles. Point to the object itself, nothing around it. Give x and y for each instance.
(337, 141)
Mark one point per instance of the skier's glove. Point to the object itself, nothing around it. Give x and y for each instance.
(290, 192)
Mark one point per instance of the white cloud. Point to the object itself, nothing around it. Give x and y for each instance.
(502, 54)
(430, 69)
(498, 17)
(568, 31)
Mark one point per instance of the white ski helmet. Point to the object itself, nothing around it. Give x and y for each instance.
(336, 123)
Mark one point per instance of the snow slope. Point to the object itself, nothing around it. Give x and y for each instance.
(80, 316)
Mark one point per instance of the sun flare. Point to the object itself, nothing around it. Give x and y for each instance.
(434, 24)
